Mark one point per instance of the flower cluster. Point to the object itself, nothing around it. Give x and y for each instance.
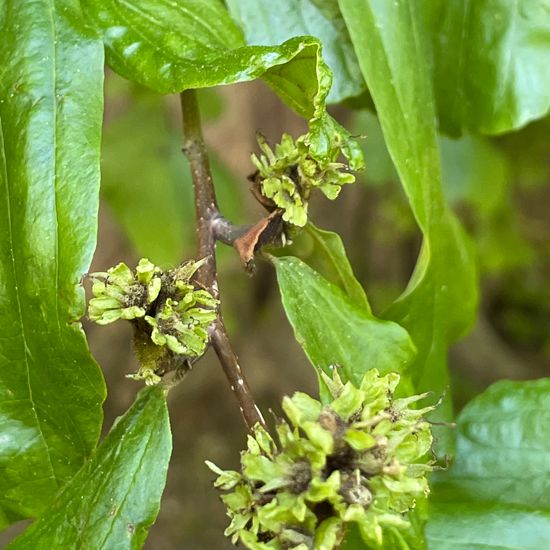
(181, 325)
(121, 294)
(358, 459)
(288, 175)
(177, 312)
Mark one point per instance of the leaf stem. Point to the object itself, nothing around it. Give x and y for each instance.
(210, 226)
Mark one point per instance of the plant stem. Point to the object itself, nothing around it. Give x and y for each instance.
(206, 207)
(209, 226)
(230, 365)
(227, 232)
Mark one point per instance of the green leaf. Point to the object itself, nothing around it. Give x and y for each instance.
(51, 390)
(324, 252)
(333, 330)
(380, 168)
(487, 527)
(394, 539)
(477, 174)
(174, 46)
(491, 69)
(271, 23)
(497, 493)
(439, 302)
(114, 499)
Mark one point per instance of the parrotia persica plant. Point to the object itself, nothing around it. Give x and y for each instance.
(375, 458)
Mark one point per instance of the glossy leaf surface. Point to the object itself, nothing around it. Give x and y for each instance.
(497, 493)
(271, 23)
(333, 330)
(173, 46)
(51, 390)
(324, 252)
(115, 497)
(439, 302)
(491, 69)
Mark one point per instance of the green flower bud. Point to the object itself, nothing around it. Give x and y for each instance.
(182, 325)
(178, 313)
(147, 374)
(289, 174)
(121, 294)
(358, 459)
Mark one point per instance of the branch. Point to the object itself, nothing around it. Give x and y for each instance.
(210, 225)
(232, 370)
(227, 232)
(206, 207)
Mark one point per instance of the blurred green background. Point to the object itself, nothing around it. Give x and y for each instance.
(498, 186)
